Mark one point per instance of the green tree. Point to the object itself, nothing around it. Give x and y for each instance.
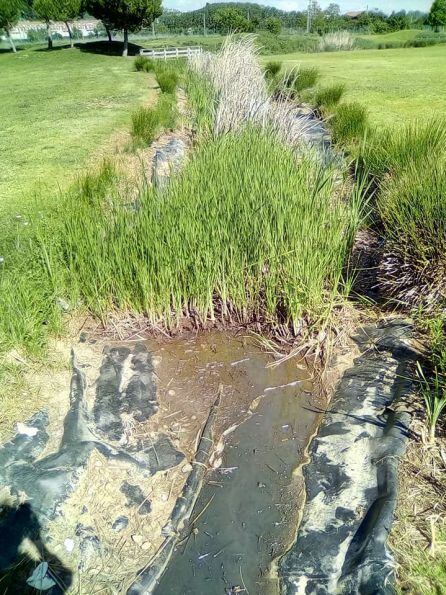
(128, 15)
(333, 11)
(47, 10)
(437, 15)
(273, 25)
(9, 15)
(230, 19)
(67, 10)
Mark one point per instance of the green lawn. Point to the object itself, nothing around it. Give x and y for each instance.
(396, 85)
(56, 109)
(404, 35)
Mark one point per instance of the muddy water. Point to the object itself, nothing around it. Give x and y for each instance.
(249, 507)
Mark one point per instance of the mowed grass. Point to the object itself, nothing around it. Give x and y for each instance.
(56, 109)
(396, 85)
(404, 35)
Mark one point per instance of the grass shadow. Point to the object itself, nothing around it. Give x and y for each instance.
(8, 50)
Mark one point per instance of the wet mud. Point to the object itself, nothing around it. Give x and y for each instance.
(248, 510)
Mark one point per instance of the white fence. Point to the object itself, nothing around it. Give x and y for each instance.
(165, 53)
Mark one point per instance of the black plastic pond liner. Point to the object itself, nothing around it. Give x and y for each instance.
(48, 481)
(351, 480)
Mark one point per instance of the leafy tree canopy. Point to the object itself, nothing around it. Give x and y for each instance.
(273, 25)
(9, 13)
(437, 15)
(47, 10)
(69, 9)
(130, 15)
(230, 19)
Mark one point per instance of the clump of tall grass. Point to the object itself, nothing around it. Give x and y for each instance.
(433, 391)
(272, 69)
(240, 87)
(144, 64)
(412, 207)
(148, 122)
(408, 165)
(327, 97)
(267, 242)
(432, 375)
(296, 81)
(349, 122)
(201, 97)
(394, 149)
(262, 242)
(240, 92)
(145, 125)
(336, 41)
(167, 80)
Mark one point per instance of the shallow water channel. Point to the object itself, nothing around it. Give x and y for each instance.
(249, 507)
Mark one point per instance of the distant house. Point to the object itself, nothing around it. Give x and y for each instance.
(354, 14)
(85, 26)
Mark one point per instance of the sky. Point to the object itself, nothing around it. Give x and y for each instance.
(346, 5)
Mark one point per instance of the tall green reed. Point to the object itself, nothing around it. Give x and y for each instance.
(266, 241)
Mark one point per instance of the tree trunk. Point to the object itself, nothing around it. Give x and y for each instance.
(70, 34)
(125, 49)
(11, 41)
(109, 33)
(50, 39)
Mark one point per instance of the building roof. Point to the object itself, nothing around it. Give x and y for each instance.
(354, 14)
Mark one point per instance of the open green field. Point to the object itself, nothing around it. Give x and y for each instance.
(395, 85)
(56, 109)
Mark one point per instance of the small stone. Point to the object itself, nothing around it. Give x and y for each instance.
(146, 546)
(164, 497)
(69, 545)
(120, 523)
(217, 463)
(186, 468)
(26, 430)
(171, 393)
(63, 305)
(138, 539)
(194, 417)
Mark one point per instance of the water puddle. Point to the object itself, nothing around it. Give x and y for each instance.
(248, 509)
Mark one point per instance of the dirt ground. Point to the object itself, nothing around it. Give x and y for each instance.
(418, 537)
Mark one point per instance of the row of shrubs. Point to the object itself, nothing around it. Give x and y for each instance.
(420, 41)
(149, 122)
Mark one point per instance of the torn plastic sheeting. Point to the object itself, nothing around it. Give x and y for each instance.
(351, 479)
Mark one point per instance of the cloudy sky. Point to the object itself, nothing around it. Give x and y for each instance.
(385, 5)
